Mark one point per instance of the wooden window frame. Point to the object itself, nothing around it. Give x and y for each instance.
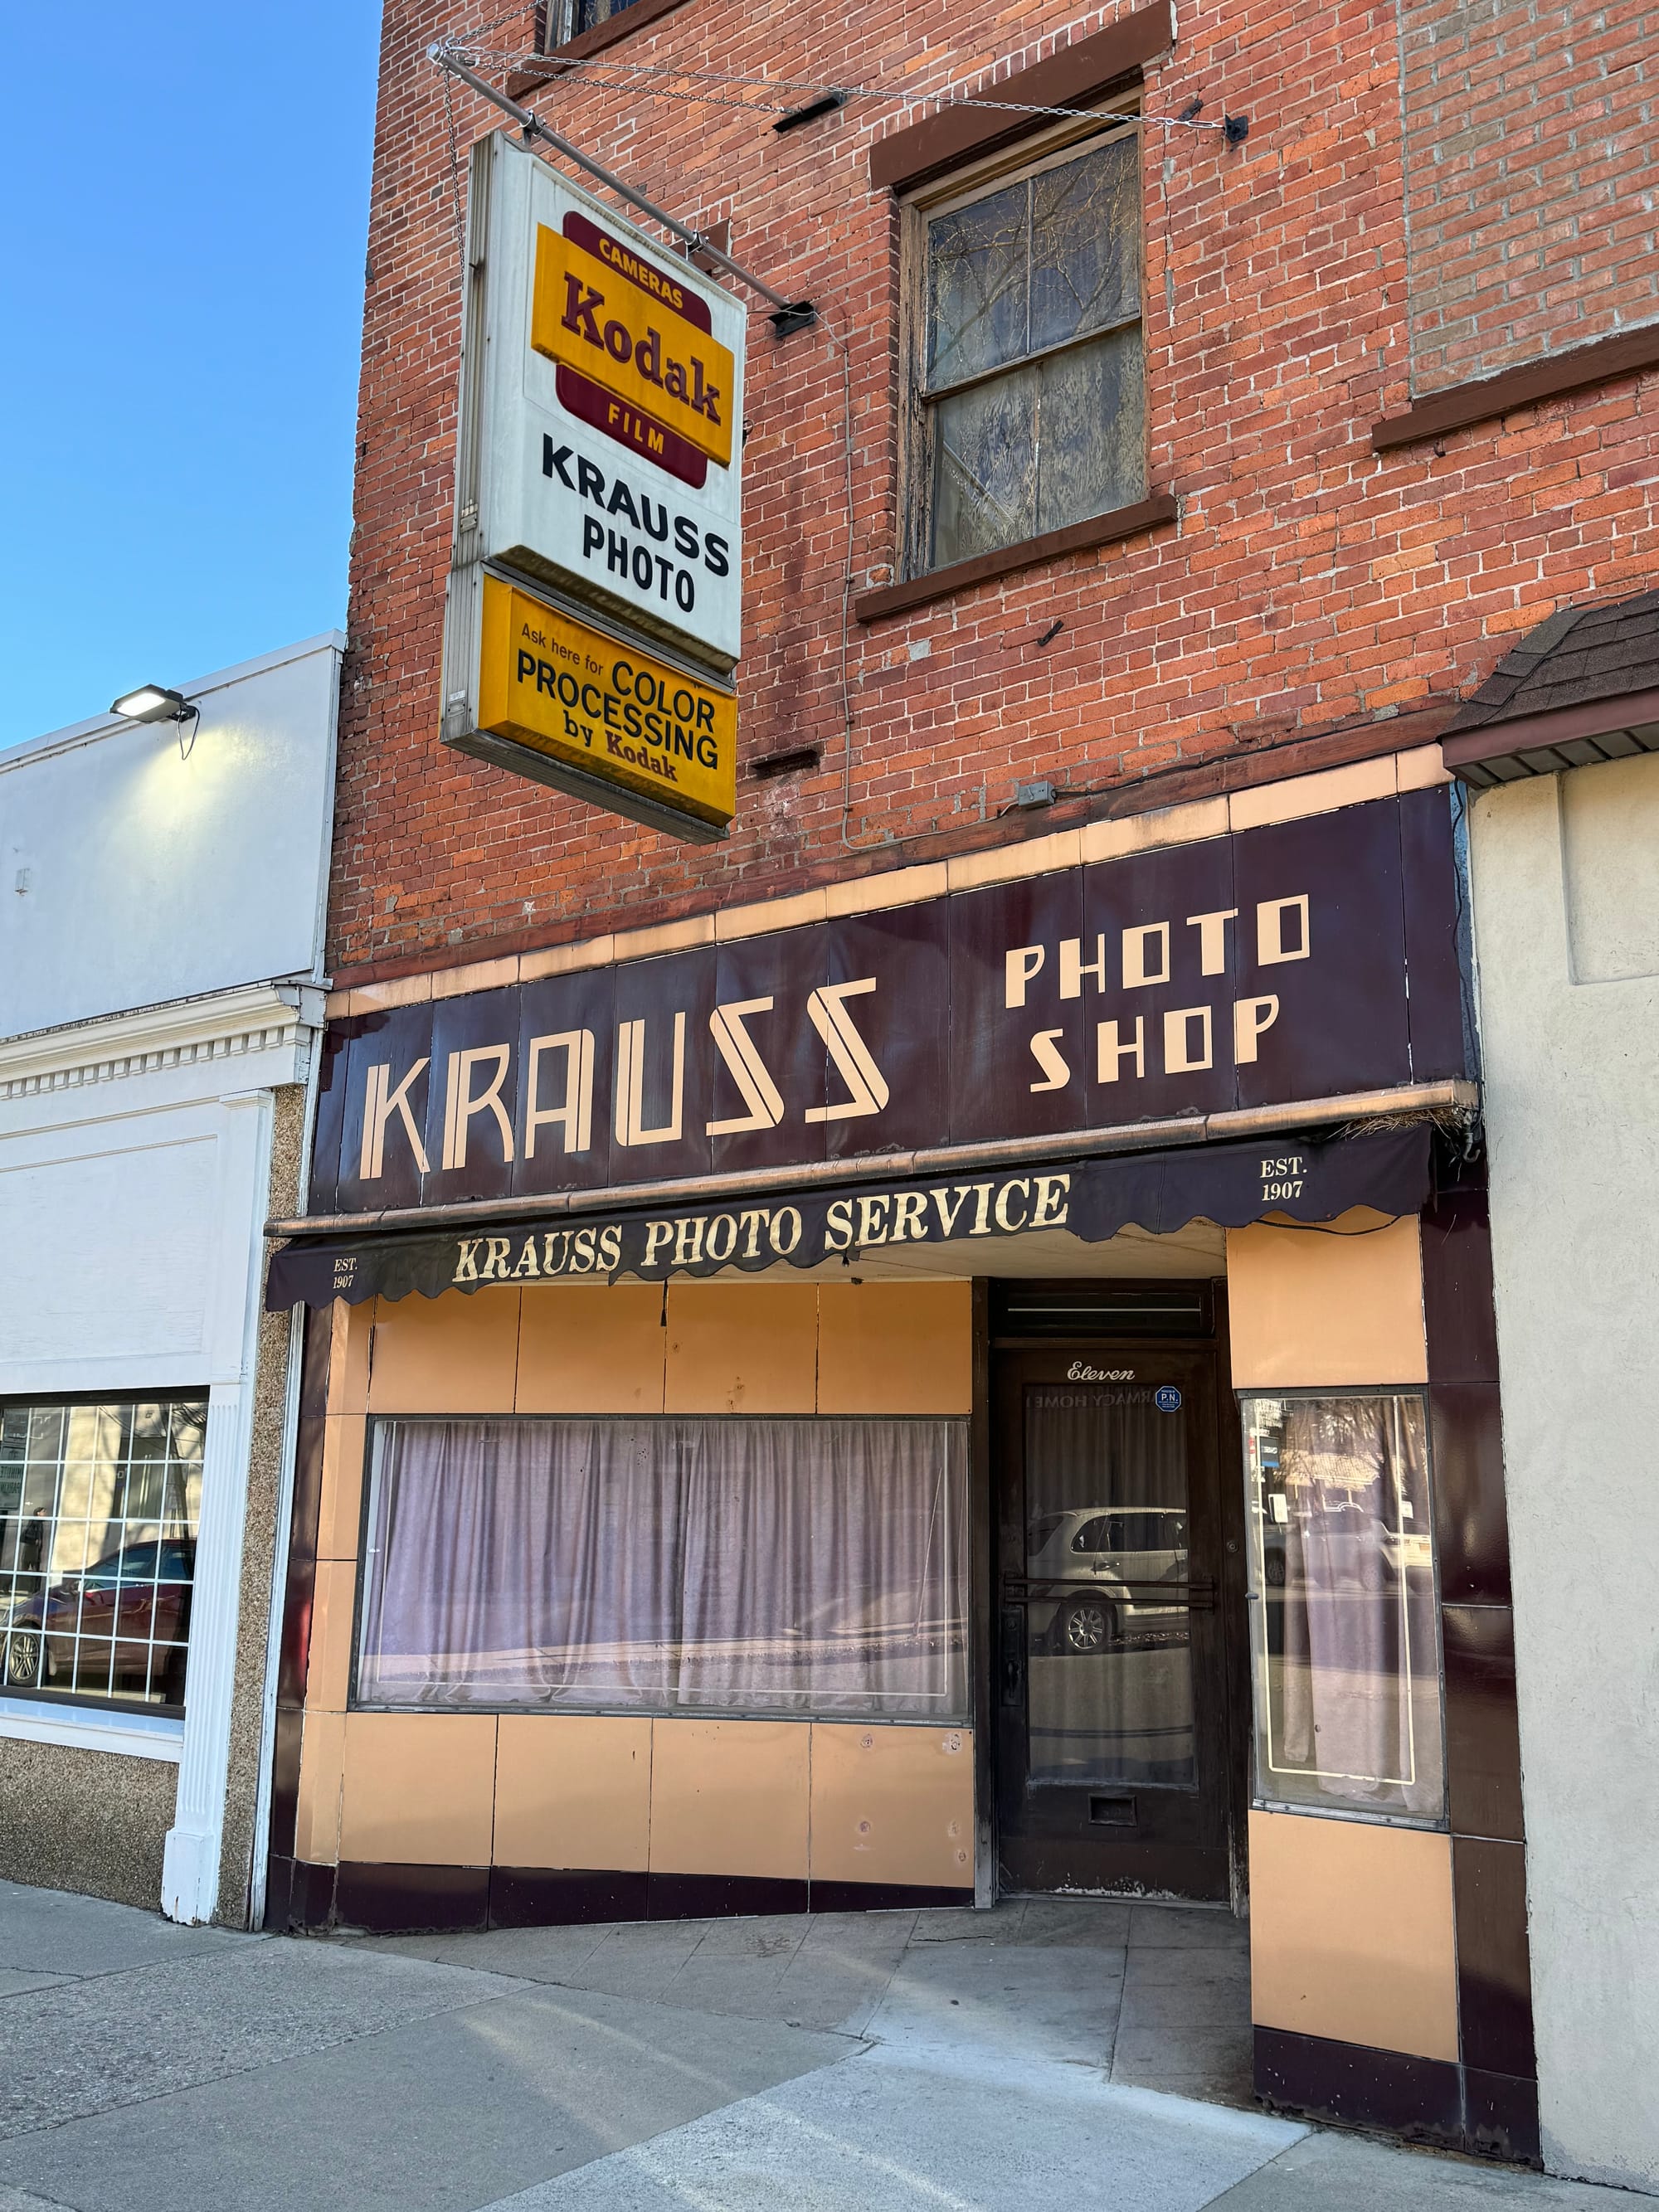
(917, 210)
(637, 17)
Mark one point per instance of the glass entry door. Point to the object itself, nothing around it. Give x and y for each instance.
(1111, 1689)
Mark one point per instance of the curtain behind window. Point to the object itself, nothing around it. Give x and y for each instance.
(1346, 1649)
(747, 1564)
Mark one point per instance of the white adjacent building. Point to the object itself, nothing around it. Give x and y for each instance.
(162, 895)
(1562, 745)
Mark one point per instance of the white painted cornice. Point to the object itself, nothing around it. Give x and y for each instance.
(254, 1018)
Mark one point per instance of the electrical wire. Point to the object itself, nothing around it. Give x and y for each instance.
(557, 65)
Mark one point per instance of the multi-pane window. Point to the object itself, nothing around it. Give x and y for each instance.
(748, 1565)
(1031, 386)
(568, 19)
(1346, 1649)
(99, 1508)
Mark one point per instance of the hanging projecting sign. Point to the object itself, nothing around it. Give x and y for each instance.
(577, 696)
(599, 468)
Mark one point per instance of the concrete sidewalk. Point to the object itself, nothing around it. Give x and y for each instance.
(882, 2062)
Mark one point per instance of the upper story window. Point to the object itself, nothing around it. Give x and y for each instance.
(1028, 374)
(569, 19)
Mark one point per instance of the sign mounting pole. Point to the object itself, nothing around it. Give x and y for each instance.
(788, 314)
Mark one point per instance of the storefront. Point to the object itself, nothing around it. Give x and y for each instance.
(977, 1379)
(160, 1004)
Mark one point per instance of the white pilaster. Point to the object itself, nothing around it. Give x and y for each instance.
(190, 1872)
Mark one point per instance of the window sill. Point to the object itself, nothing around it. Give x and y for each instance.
(614, 29)
(1627, 353)
(136, 1735)
(1151, 513)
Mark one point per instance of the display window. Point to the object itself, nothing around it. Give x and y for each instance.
(99, 1508)
(1345, 1642)
(751, 1565)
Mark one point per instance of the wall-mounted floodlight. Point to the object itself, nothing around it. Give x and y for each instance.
(160, 702)
(153, 702)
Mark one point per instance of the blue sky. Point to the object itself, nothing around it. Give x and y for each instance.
(180, 290)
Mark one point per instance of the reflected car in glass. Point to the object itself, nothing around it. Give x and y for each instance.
(118, 1628)
(1123, 1560)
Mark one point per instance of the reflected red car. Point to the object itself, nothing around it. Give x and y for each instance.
(133, 1600)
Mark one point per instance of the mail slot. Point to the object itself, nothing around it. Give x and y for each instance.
(1112, 1812)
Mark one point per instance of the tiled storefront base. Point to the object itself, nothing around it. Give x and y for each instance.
(1427, 2100)
(409, 1900)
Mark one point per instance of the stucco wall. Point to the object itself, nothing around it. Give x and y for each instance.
(1566, 914)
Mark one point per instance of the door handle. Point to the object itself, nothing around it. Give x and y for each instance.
(1013, 1655)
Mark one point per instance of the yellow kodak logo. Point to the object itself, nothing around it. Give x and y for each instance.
(633, 342)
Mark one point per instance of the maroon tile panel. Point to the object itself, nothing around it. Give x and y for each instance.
(1190, 890)
(1494, 1976)
(1436, 934)
(1483, 1737)
(1000, 1054)
(655, 993)
(1471, 1523)
(398, 1040)
(1420, 2099)
(1457, 1307)
(558, 1005)
(905, 1021)
(1500, 2116)
(478, 1021)
(1341, 1024)
(787, 969)
(410, 1900)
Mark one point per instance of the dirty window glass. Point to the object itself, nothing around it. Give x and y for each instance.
(1033, 371)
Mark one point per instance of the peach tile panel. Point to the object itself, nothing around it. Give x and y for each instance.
(892, 1804)
(1002, 864)
(317, 1812)
(1420, 769)
(1301, 795)
(566, 959)
(591, 1349)
(478, 976)
(573, 1790)
(454, 1354)
(1147, 833)
(734, 922)
(742, 1349)
(350, 1330)
(1351, 1933)
(344, 1443)
(895, 1348)
(418, 1788)
(729, 1797)
(893, 887)
(663, 937)
(328, 1667)
(1308, 1308)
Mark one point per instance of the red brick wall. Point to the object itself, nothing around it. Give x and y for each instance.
(1532, 179)
(1309, 586)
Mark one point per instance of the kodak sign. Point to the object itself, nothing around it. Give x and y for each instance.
(605, 312)
(617, 714)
